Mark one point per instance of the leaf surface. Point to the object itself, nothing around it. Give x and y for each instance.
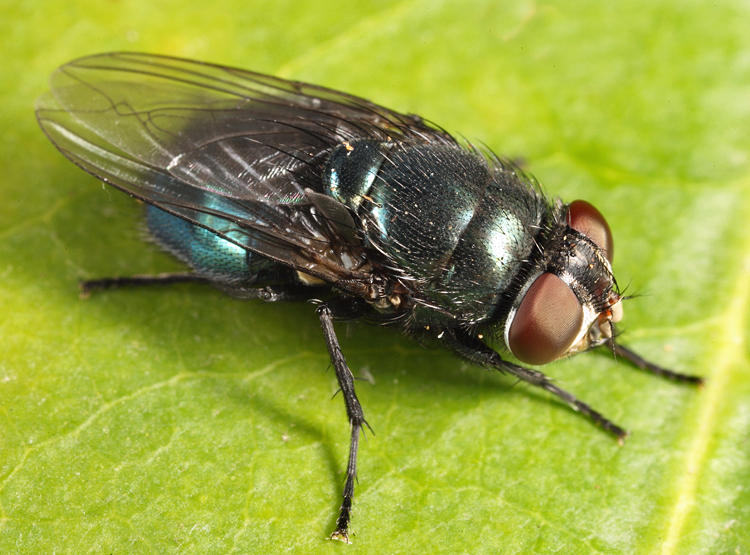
(177, 419)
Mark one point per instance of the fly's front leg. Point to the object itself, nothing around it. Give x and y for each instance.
(354, 413)
(479, 353)
(637, 360)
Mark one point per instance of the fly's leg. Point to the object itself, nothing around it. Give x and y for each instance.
(479, 353)
(90, 285)
(268, 293)
(354, 413)
(637, 360)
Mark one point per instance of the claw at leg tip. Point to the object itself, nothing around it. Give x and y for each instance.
(621, 438)
(341, 535)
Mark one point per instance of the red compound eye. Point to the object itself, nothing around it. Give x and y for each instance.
(586, 219)
(547, 321)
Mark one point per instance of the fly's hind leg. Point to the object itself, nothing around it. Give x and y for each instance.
(268, 293)
(90, 285)
(354, 413)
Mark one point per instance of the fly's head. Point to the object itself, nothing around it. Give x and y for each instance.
(570, 304)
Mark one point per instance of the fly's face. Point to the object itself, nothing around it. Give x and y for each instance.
(599, 327)
(571, 303)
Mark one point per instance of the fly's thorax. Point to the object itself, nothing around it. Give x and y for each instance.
(569, 303)
(449, 226)
(351, 170)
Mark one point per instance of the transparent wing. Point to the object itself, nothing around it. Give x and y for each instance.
(194, 138)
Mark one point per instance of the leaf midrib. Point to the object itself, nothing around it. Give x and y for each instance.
(730, 338)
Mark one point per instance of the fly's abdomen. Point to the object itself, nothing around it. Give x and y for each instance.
(206, 252)
(446, 222)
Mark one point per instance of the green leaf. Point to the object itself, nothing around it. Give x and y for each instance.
(177, 419)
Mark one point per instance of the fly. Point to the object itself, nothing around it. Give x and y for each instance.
(280, 190)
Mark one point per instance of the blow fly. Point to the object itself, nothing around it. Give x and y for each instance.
(274, 190)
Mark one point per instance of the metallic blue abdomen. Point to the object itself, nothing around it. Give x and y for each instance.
(206, 252)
